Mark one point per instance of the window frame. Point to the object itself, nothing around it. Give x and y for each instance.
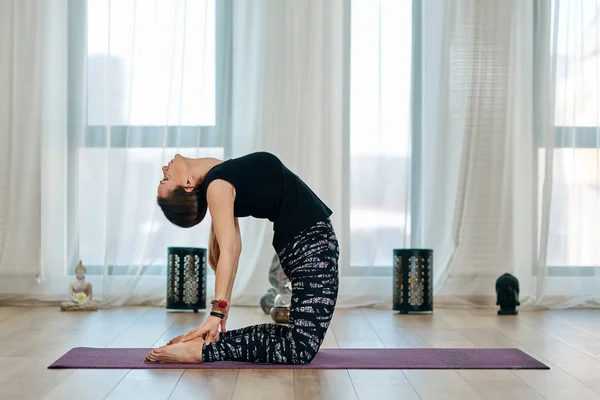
(567, 137)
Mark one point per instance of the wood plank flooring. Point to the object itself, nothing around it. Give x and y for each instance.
(568, 341)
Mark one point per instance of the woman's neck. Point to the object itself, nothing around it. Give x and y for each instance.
(199, 167)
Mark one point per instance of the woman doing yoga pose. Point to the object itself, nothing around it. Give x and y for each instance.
(261, 186)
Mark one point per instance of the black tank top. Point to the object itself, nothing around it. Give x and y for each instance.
(266, 188)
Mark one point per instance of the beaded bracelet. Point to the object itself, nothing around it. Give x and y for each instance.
(216, 314)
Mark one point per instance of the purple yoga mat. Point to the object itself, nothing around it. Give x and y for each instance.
(105, 358)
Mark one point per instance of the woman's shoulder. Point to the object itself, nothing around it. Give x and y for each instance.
(258, 156)
(239, 167)
(252, 161)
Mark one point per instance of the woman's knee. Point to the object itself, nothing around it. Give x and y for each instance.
(306, 343)
(303, 358)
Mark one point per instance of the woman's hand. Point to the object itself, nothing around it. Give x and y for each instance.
(209, 331)
(224, 320)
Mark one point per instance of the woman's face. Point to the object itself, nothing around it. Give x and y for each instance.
(174, 174)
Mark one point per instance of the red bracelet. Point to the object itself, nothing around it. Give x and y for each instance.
(218, 305)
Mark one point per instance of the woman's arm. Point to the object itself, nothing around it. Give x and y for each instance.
(238, 238)
(220, 198)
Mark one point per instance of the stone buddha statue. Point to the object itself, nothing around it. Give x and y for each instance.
(80, 293)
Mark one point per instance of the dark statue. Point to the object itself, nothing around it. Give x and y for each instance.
(507, 294)
(280, 283)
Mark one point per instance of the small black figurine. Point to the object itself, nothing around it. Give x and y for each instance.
(507, 293)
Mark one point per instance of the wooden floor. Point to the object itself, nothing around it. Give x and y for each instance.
(567, 341)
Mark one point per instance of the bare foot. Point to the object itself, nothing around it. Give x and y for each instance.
(187, 352)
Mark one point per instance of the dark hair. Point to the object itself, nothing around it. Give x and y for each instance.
(184, 209)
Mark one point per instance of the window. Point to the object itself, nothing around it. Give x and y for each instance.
(380, 130)
(151, 63)
(575, 211)
(152, 88)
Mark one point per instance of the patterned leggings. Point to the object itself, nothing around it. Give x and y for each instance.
(311, 263)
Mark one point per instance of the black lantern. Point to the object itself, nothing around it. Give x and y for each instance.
(413, 280)
(186, 278)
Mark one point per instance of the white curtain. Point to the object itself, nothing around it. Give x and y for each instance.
(287, 99)
(32, 101)
(484, 147)
(573, 255)
(493, 192)
(21, 113)
(378, 172)
(150, 93)
(149, 79)
(325, 85)
(475, 213)
(141, 79)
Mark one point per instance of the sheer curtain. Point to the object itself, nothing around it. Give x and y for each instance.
(573, 257)
(32, 103)
(22, 81)
(499, 191)
(469, 127)
(150, 92)
(287, 98)
(144, 81)
(449, 151)
(326, 87)
(379, 148)
(149, 79)
(474, 156)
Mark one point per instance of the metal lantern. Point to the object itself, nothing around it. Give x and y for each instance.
(186, 278)
(413, 280)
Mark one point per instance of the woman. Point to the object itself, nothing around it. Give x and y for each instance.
(256, 185)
